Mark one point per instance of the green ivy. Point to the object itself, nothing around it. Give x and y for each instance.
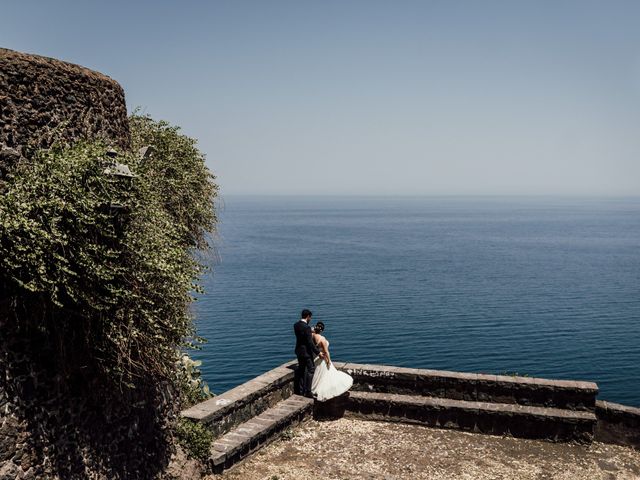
(194, 389)
(112, 255)
(195, 438)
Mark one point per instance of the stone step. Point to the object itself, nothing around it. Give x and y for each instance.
(521, 421)
(253, 434)
(479, 387)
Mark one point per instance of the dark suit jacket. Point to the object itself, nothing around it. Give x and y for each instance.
(304, 342)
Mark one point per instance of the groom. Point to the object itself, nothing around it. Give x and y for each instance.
(306, 351)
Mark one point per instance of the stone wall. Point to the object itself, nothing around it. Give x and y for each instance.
(233, 407)
(558, 410)
(68, 423)
(618, 424)
(473, 386)
(43, 100)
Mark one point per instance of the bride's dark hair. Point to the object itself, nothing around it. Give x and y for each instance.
(319, 327)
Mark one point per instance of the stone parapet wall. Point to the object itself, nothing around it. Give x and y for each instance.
(558, 410)
(240, 404)
(473, 386)
(617, 424)
(43, 100)
(558, 425)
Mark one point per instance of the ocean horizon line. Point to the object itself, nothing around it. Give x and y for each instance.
(427, 195)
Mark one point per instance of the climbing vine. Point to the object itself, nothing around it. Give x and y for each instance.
(113, 257)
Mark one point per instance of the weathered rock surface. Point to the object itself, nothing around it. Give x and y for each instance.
(43, 100)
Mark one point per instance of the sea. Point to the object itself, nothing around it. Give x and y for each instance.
(538, 286)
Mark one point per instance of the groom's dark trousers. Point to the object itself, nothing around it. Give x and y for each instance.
(306, 351)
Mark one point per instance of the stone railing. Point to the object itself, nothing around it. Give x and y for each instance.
(233, 407)
(473, 386)
(618, 424)
(250, 415)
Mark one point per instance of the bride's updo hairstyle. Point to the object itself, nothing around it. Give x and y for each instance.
(319, 327)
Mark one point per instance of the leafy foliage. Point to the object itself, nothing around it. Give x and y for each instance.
(194, 389)
(111, 256)
(195, 438)
(178, 168)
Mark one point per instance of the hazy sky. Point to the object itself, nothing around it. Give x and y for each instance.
(372, 97)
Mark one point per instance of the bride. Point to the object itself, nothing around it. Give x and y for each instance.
(328, 382)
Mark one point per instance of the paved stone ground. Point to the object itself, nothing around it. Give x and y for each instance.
(357, 449)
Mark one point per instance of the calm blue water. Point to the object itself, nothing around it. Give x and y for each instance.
(545, 287)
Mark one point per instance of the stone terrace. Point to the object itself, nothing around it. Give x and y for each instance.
(359, 449)
(249, 417)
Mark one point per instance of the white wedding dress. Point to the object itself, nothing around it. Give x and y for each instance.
(329, 382)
